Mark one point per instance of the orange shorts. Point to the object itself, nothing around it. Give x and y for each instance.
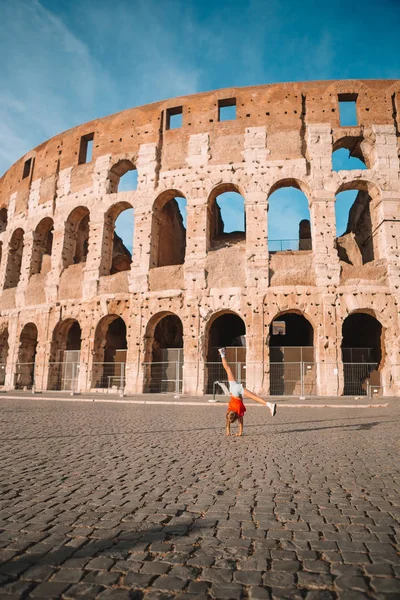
(237, 406)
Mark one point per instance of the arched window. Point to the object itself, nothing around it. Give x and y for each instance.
(348, 154)
(65, 356)
(122, 177)
(42, 247)
(14, 259)
(362, 353)
(354, 224)
(165, 351)
(168, 240)
(288, 219)
(110, 353)
(3, 220)
(118, 239)
(226, 216)
(76, 237)
(291, 355)
(25, 368)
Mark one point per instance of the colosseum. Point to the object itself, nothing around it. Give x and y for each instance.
(318, 315)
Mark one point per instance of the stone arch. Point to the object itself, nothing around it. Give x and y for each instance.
(168, 235)
(4, 347)
(3, 219)
(291, 354)
(289, 233)
(164, 353)
(358, 244)
(227, 329)
(116, 256)
(117, 172)
(65, 355)
(357, 148)
(363, 351)
(25, 368)
(110, 352)
(76, 236)
(216, 226)
(42, 247)
(14, 259)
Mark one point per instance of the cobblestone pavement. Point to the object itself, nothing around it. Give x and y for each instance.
(127, 501)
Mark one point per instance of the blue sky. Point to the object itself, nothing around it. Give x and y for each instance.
(65, 62)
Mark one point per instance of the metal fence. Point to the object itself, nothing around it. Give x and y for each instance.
(283, 245)
(24, 376)
(282, 378)
(108, 376)
(63, 376)
(161, 377)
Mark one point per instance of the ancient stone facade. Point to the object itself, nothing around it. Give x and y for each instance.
(65, 278)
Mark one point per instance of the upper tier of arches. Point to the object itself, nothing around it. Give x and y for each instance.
(285, 109)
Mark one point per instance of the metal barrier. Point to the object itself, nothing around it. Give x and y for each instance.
(163, 377)
(108, 376)
(274, 378)
(24, 376)
(292, 379)
(357, 376)
(284, 245)
(63, 376)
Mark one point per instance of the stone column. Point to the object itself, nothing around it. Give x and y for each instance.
(12, 357)
(257, 257)
(92, 270)
(256, 351)
(25, 269)
(387, 234)
(138, 276)
(196, 243)
(323, 231)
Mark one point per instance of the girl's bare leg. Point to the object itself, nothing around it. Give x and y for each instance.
(270, 405)
(225, 365)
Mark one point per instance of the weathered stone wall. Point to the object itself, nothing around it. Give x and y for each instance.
(283, 135)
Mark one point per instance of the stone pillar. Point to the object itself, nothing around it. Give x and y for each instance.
(323, 229)
(196, 243)
(138, 276)
(255, 352)
(12, 357)
(53, 277)
(387, 234)
(327, 344)
(86, 358)
(92, 270)
(25, 269)
(193, 374)
(257, 257)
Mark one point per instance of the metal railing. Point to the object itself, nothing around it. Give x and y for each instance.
(162, 377)
(63, 376)
(109, 375)
(284, 245)
(273, 378)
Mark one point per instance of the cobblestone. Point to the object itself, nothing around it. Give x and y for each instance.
(118, 501)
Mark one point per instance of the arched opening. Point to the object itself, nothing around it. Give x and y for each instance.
(25, 368)
(42, 247)
(118, 239)
(76, 237)
(166, 343)
(227, 330)
(348, 154)
(122, 177)
(3, 219)
(65, 356)
(14, 260)
(288, 218)
(226, 216)
(355, 228)
(291, 355)
(110, 353)
(362, 353)
(168, 240)
(3, 354)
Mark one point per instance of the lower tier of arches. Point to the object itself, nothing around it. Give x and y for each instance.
(284, 344)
